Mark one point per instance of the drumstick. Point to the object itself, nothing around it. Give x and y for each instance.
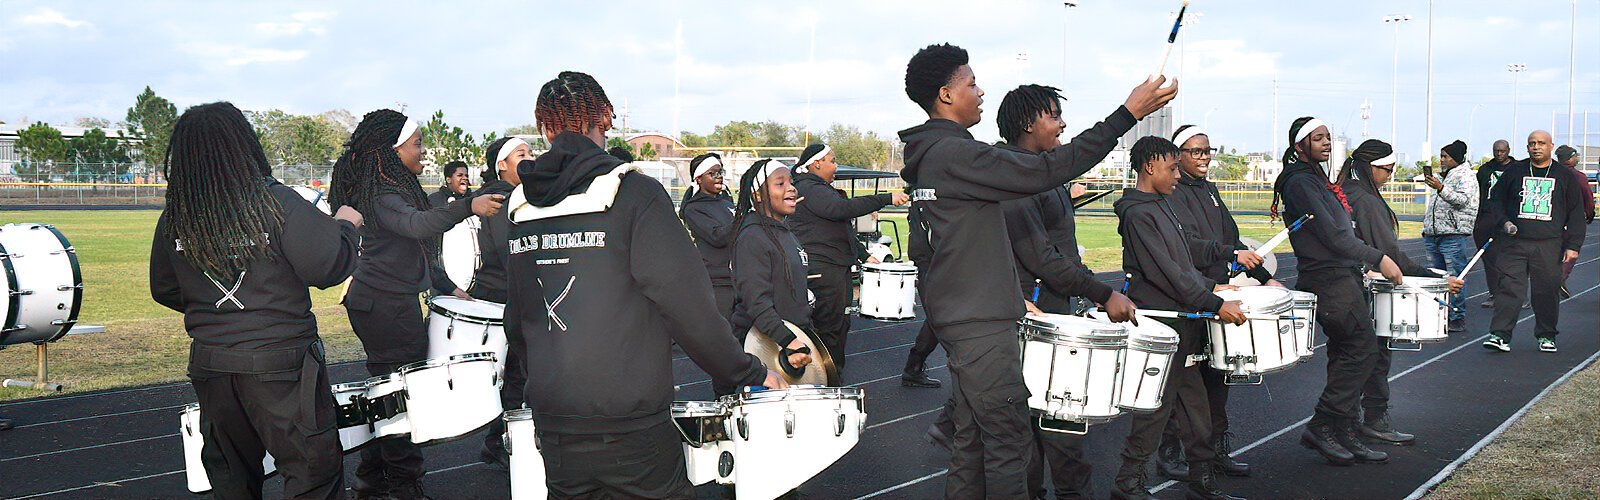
(1277, 239)
(1171, 39)
(1208, 315)
(1475, 258)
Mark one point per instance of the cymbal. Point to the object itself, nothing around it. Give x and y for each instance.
(821, 370)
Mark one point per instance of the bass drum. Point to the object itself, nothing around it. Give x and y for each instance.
(44, 285)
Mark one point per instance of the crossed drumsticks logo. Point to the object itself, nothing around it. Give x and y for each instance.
(228, 293)
(551, 305)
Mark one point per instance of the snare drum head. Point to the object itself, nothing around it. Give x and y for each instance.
(1065, 327)
(1303, 297)
(1260, 299)
(1434, 285)
(889, 267)
(480, 309)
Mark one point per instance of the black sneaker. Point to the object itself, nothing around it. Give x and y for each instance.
(1488, 303)
(918, 378)
(1458, 325)
(1497, 343)
(1547, 345)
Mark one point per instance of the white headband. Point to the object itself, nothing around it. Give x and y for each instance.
(801, 168)
(1308, 128)
(705, 166)
(507, 148)
(1186, 134)
(406, 131)
(766, 171)
(1387, 160)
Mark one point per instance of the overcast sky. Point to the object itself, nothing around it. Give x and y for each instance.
(481, 62)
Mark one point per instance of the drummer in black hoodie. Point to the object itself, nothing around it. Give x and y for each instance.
(1155, 254)
(1369, 167)
(377, 174)
(1332, 263)
(234, 251)
(456, 185)
(769, 264)
(971, 297)
(600, 292)
(502, 157)
(823, 224)
(707, 210)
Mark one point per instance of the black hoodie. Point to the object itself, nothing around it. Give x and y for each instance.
(1375, 225)
(399, 252)
(1565, 219)
(1488, 174)
(601, 288)
(1155, 250)
(822, 219)
(710, 219)
(1044, 242)
(1328, 241)
(958, 182)
(270, 308)
(489, 283)
(769, 280)
(1212, 231)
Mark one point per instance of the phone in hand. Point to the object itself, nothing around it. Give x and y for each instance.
(1427, 169)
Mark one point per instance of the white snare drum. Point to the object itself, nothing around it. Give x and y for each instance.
(457, 326)
(1146, 364)
(888, 291)
(707, 451)
(459, 252)
(527, 462)
(1305, 321)
(44, 285)
(315, 196)
(1411, 314)
(354, 430)
(384, 404)
(451, 397)
(194, 469)
(783, 437)
(1071, 365)
(1259, 346)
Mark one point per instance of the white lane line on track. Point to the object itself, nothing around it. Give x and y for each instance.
(907, 417)
(92, 417)
(96, 485)
(891, 489)
(82, 448)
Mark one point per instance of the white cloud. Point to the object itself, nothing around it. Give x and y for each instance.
(303, 22)
(48, 16)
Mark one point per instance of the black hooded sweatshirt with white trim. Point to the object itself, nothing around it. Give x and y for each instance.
(603, 282)
(969, 287)
(1213, 232)
(822, 219)
(1155, 250)
(1044, 242)
(710, 219)
(489, 283)
(1328, 241)
(769, 280)
(268, 307)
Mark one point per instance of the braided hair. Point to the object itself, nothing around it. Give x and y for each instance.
(1022, 106)
(689, 193)
(572, 102)
(931, 69)
(370, 167)
(218, 204)
(1292, 155)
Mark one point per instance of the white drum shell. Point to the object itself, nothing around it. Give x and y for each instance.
(788, 437)
(354, 436)
(194, 469)
(888, 291)
(457, 326)
(1146, 365)
(459, 252)
(398, 425)
(1069, 377)
(702, 462)
(527, 462)
(49, 284)
(1411, 313)
(1305, 322)
(315, 197)
(1258, 346)
(451, 398)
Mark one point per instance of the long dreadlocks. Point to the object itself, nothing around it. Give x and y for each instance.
(370, 167)
(573, 102)
(1022, 106)
(217, 200)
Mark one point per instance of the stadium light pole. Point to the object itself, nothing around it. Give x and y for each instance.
(1516, 79)
(1394, 85)
(1066, 10)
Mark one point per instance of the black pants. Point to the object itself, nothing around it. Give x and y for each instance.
(925, 344)
(291, 415)
(832, 291)
(1352, 345)
(392, 332)
(1375, 393)
(1216, 400)
(1184, 398)
(642, 464)
(511, 390)
(991, 447)
(1491, 269)
(1527, 266)
(723, 293)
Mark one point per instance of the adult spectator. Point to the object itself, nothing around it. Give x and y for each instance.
(1447, 225)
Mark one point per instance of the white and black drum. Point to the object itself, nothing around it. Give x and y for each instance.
(1411, 314)
(707, 451)
(784, 437)
(1071, 365)
(1145, 366)
(527, 462)
(1262, 345)
(888, 291)
(194, 469)
(354, 429)
(1305, 322)
(315, 196)
(457, 326)
(459, 252)
(451, 397)
(44, 285)
(384, 406)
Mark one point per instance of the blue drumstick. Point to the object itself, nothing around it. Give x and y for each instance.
(1234, 267)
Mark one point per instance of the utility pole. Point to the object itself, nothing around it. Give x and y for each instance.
(1472, 118)
(1066, 8)
(1572, 69)
(1516, 78)
(1394, 85)
(1427, 140)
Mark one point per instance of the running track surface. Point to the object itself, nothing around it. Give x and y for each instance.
(124, 443)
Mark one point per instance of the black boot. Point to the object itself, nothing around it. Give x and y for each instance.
(1224, 463)
(937, 436)
(1377, 428)
(1350, 439)
(1203, 485)
(1130, 483)
(917, 376)
(1322, 437)
(1169, 459)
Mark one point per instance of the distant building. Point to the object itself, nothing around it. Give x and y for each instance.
(9, 156)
